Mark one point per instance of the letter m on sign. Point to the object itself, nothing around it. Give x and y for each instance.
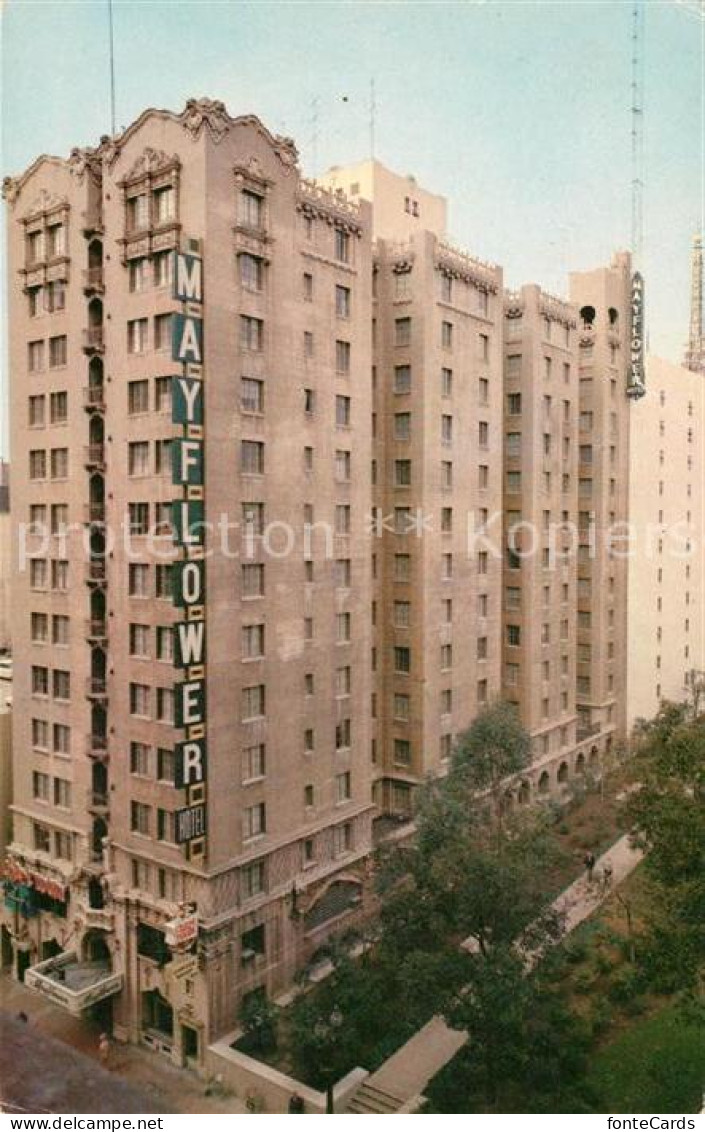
(188, 278)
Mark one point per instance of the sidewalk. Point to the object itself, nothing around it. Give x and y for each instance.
(72, 1080)
(408, 1071)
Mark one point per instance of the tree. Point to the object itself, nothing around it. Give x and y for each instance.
(668, 817)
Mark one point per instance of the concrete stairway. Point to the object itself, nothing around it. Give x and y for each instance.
(370, 1101)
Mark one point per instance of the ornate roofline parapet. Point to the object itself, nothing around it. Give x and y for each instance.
(513, 304)
(557, 310)
(330, 205)
(459, 264)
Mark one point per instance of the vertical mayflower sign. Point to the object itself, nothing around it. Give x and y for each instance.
(189, 591)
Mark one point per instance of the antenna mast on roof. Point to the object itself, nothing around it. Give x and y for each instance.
(373, 118)
(638, 30)
(113, 127)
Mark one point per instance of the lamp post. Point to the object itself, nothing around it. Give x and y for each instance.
(325, 1031)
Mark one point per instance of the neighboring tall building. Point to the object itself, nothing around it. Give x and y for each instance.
(695, 352)
(402, 209)
(602, 297)
(5, 556)
(437, 398)
(667, 514)
(540, 519)
(241, 372)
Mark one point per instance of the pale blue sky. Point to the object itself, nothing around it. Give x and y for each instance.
(518, 111)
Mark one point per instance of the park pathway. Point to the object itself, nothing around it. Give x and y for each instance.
(407, 1072)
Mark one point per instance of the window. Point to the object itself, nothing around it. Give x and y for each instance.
(342, 357)
(162, 332)
(138, 579)
(39, 627)
(40, 786)
(342, 465)
(402, 426)
(308, 287)
(483, 430)
(61, 684)
(342, 627)
(254, 821)
(138, 458)
(35, 248)
(165, 705)
(342, 412)
(165, 643)
(137, 331)
(139, 759)
(343, 788)
(140, 818)
(36, 411)
(446, 657)
(253, 702)
(402, 659)
(343, 681)
(402, 332)
(251, 272)
(139, 518)
(57, 351)
(252, 642)
(251, 333)
(343, 573)
(447, 335)
(251, 395)
(62, 793)
(163, 269)
(484, 347)
(253, 762)
(61, 739)
(138, 274)
(60, 574)
(252, 457)
(35, 356)
(42, 838)
(138, 397)
(446, 429)
(164, 204)
(59, 463)
(513, 482)
(40, 734)
(37, 464)
(342, 246)
(342, 839)
(139, 700)
(59, 407)
(137, 212)
(55, 240)
(514, 635)
(253, 879)
(402, 707)
(342, 734)
(251, 209)
(342, 302)
(163, 580)
(253, 580)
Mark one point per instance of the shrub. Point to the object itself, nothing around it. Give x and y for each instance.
(625, 986)
(603, 963)
(258, 1017)
(601, 1017)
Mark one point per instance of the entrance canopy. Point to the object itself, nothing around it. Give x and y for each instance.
(73, 983)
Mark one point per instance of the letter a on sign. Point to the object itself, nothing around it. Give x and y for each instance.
(187, 339)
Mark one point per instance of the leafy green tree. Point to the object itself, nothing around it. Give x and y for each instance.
(668, 817)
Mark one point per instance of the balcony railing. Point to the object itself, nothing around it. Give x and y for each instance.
(96, 687)
(96, 629)
(94, 456)
(97, 799)
(95, 570)
(93, 282)
(94, 398)
(95, 512)
(96, 746)
(93, 340)
(587, 730)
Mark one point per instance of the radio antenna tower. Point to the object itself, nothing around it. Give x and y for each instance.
(638, 39)
(113, 126)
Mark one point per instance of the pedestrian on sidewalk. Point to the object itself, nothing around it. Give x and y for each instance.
(589, 862)
(104, 1050)
(607, 874)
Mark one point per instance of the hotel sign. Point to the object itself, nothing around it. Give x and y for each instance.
(636, 382)
(189, 571)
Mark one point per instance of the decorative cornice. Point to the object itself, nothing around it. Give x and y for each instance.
(43, 203)
(556, 310)
(458, 264)
(150, 162)
(205, 113)
(82, 161)
(12, 186)
(330, 205)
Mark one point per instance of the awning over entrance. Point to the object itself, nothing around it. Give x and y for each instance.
(73, 983)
